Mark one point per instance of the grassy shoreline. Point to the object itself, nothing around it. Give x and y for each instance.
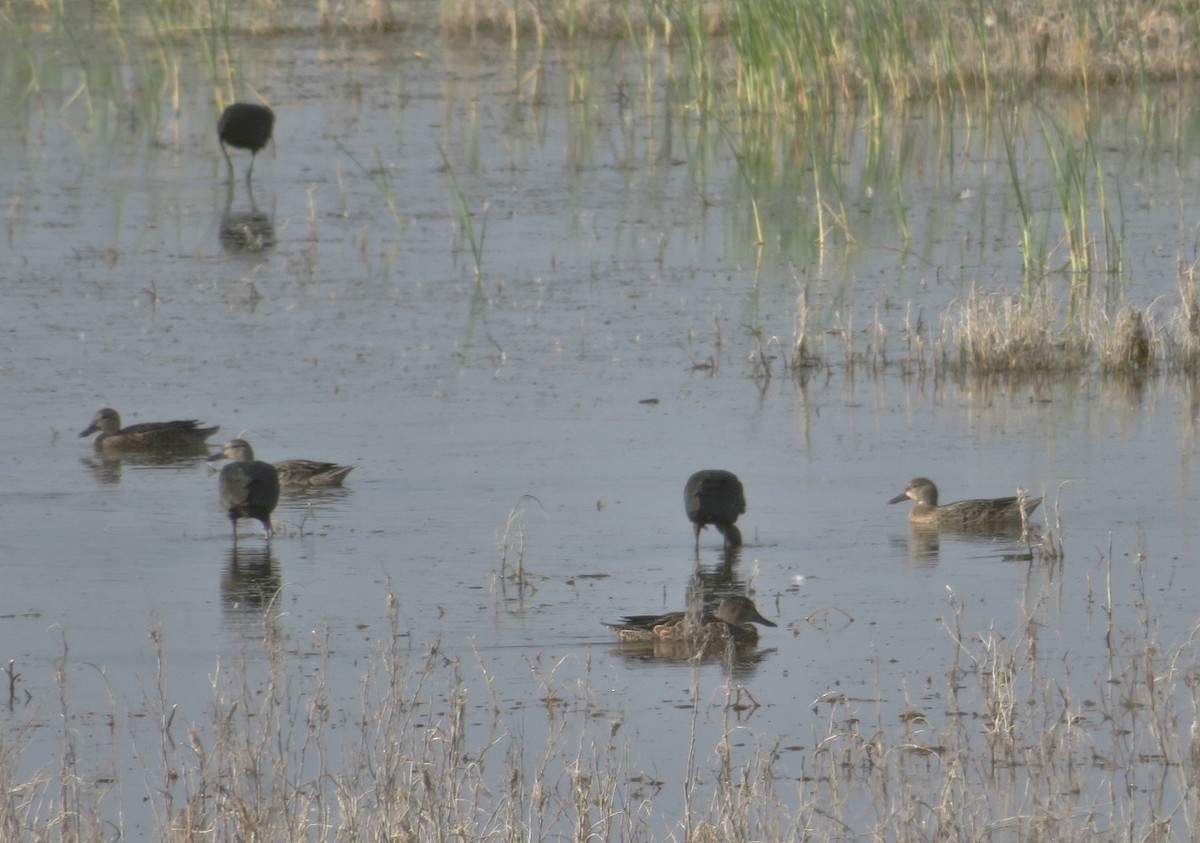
(769, 54)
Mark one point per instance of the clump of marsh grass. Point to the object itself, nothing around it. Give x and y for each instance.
(544, 19)
(811, 352)
(511, 542)
(1135, 342)
(804, 356)
(917, 345)
(1126, 346)
(1046, 544)
(1182, 338)
(987, 333)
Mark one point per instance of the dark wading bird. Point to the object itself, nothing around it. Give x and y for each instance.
(731, 622)
(249, 487)
(311, 473)
(978, 514)
(171, 437)
(715, 497)
(245, 125)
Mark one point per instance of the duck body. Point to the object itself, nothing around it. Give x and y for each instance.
(170, 437)
(249, 488)
(311, 473)
(978, 514)
(716, 497)
(245, 125)
(731, 622)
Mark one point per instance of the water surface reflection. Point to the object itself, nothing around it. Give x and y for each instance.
(923, 544)
(250, 586)
(106, 468)
(247, 229)
(739, 661)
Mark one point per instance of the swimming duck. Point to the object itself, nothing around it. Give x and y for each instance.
(980, 513)
(249, 487)
(732, 621)
(179, 437)
(716, 497)
(311, 473)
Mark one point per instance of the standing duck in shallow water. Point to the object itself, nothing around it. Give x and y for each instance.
(715, 497)
(171, 437)
(249, 488)
(976, 514)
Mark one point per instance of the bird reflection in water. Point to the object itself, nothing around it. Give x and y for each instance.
(711, 580)
(923, 544)
(738, 660)
(250, 585)
(245, 230)
(106, 468)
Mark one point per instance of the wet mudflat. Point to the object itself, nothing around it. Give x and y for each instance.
(523, 423)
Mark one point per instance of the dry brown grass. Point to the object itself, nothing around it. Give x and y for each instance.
(940, 47)
(994, 332)
(1056, 42)
(986, 334)
(1007, 738)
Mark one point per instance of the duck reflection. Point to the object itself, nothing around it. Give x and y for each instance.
(106, 467)
(921, 546)
(245, 230)
(250, 583)
(308, 511)
(923, 543)
(304, 497)
(737, 660)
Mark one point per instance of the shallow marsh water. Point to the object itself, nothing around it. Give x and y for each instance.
(550, 410)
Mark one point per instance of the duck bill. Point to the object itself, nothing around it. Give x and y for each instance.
(900, 497)
(758, 618)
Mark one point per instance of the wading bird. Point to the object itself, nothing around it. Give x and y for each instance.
(715, 497)
(249, 488)
(245, 125)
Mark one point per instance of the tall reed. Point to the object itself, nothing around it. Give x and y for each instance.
(466, 220)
